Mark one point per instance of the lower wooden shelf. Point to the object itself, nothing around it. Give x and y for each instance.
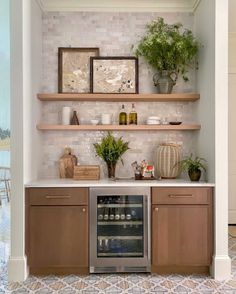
(182, 127)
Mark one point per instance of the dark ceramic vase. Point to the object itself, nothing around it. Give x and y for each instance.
(195, 175)
(111, 168)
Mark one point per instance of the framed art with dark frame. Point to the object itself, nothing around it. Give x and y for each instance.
(74, 69)
(115, 74)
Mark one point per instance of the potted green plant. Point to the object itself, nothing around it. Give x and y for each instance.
(193, 166)
(170, 50)
(111, 150)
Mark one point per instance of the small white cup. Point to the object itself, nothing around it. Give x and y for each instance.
(66, 115)
(106, 118)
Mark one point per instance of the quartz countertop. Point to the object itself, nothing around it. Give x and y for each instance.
(54, 183)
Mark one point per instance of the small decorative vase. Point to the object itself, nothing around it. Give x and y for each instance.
(168, 158)
(195, 175)
(111, 168)
(164, 82)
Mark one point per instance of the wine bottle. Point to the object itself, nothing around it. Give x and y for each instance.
(133, 117)
(123, 116)
(74, 120)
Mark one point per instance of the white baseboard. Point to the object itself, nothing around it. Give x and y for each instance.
(232, 216)
(17, 269)
(221, 267)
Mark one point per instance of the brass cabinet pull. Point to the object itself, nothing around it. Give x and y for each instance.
(84, 209)
(57, 197)
(156, 209)
(180, 195)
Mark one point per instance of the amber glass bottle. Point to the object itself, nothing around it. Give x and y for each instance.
(123, 116)
(133, 117)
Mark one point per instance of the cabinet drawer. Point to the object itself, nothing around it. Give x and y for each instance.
(57, 196)
(181, 195)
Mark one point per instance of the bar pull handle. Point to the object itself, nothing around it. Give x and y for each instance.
(58, 197)
(180, 195)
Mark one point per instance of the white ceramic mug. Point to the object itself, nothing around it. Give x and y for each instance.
(66, 115)
(106, 118)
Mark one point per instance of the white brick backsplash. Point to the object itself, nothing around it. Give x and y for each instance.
(114, 34)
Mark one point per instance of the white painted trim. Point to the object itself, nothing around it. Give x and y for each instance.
(120, 5)
(222, 262)
(221, 267)
(232, 216)
(17, 269)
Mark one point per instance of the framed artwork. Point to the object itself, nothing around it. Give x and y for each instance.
(114, 74)
(74, 69)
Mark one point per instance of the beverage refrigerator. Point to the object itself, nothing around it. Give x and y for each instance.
(119, 229)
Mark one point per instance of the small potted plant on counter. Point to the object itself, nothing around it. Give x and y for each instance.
(193, 166)
(170, 50)
(111, 150)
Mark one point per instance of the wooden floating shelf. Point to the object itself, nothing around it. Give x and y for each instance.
(119, 97)
(182, 127)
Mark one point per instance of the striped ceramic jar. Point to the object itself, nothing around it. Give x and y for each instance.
(168, 156)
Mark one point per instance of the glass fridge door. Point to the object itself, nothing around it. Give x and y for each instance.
(120, 226)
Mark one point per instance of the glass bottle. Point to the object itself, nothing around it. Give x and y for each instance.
(74, 120)
(106, 214)
(123, 116)
(133, 117)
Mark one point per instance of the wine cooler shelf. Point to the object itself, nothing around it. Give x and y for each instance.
(120, 223)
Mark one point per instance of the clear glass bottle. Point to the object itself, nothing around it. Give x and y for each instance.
(123, 116)
(133, 116)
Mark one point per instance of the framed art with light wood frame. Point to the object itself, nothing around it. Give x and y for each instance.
(114, 74)
(73, 69)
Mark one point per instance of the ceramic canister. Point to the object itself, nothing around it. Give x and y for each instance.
(168, 157)
(66, 115)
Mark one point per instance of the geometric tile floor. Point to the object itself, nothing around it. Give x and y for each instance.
(110, 283)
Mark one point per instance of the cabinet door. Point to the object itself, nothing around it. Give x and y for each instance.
(58, 237)
(181, 235)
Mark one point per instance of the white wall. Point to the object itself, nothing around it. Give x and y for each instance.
(232, 108)
(212, 28)
(205, 32)
(25, 82)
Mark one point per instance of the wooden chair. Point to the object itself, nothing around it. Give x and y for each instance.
(5, 182)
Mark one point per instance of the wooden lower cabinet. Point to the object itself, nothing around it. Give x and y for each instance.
(181, 233)
(57, 235)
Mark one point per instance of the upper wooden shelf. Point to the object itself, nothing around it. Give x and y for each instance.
(119, 97)
(182, 127)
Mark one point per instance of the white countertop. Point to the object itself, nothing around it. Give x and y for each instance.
(118, 183)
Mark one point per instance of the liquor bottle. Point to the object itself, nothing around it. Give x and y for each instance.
(74, 120)
(106, 214)
(133, 117)
(117, 214)
(111, 214)
(128, 214)
(123, 116)
(122, 214)
(100, 215)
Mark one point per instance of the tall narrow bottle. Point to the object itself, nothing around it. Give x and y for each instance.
(133, 117)
(123, 116)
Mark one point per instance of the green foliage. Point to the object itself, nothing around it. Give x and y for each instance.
(4, 134)
(192, 164)
(110, 149)
(168, 47)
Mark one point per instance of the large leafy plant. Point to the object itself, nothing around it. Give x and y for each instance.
(191, 164)
(111, 149)
(168, 47)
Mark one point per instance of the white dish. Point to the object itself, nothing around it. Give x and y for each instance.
(94, 121)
